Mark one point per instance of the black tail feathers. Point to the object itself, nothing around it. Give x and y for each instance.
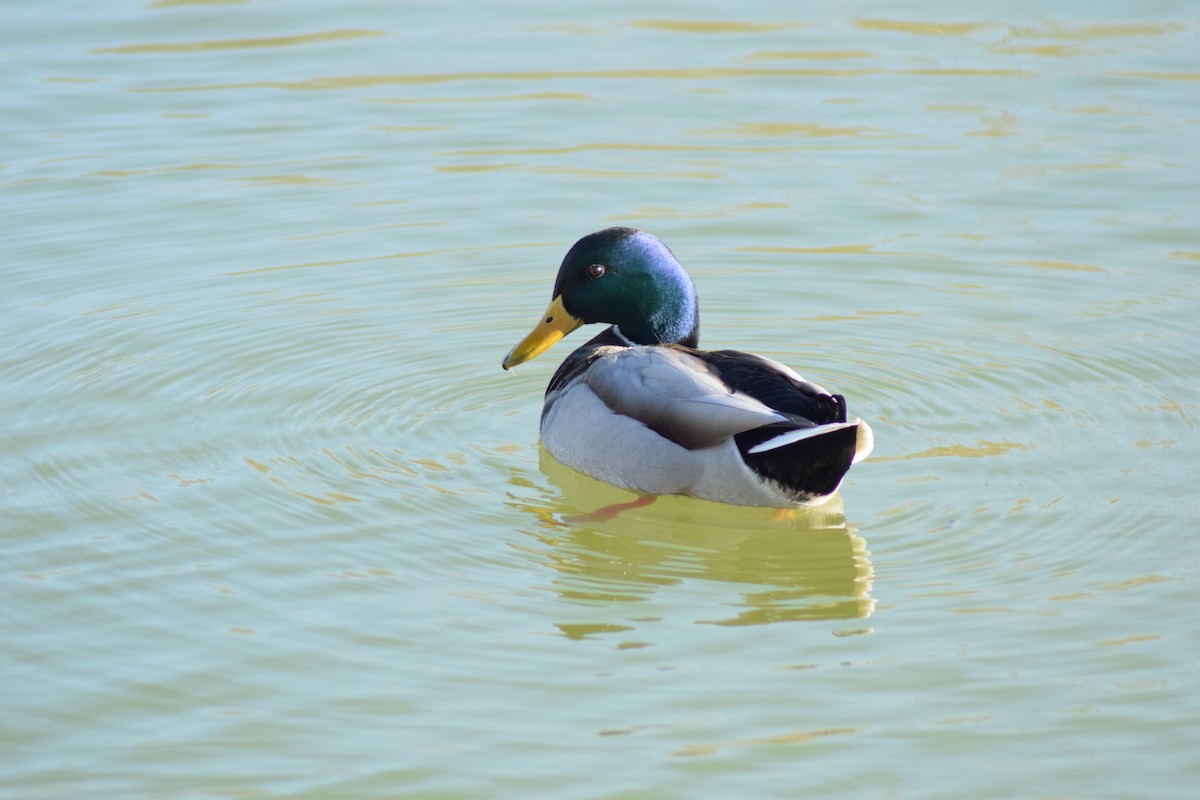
(806, 469)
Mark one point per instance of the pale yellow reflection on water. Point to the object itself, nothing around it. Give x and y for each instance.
(276, 523)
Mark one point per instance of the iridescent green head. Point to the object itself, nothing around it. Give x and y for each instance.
(624, 277)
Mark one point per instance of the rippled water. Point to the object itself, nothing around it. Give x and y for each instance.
(276, 523)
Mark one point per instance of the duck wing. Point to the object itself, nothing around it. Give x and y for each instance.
(675, 393)
(775, 385)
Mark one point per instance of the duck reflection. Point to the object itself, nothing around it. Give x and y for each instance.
(806, 565)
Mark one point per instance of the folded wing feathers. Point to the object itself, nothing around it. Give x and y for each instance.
(675, 395)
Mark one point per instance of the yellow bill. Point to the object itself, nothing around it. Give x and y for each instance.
(554, 325)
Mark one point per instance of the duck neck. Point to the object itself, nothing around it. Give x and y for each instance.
(663, 314)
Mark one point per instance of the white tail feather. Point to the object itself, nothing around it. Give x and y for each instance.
(865, 443)
(791, 437)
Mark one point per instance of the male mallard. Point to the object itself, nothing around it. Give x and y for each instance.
(639, 406)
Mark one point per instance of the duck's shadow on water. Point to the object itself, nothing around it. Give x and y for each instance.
(807, 565)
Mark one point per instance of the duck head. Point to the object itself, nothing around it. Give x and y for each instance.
(624, 277)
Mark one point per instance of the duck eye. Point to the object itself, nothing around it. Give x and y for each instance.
(594, 271)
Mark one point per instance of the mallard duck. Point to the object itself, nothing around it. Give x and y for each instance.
(640, 406)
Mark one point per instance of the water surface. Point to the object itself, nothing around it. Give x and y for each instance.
(277, 525)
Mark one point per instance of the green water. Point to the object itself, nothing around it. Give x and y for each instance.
(276, 524)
